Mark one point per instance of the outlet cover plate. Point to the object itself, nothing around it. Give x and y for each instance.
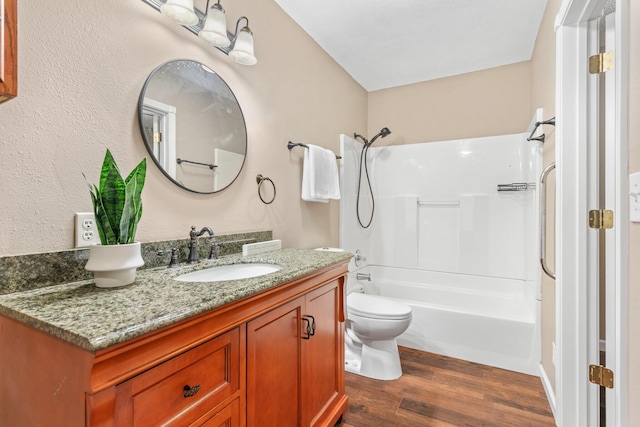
(86, 229)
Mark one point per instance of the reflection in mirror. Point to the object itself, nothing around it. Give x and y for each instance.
(193, 126)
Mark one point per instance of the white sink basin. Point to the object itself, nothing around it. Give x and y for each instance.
(229, 272)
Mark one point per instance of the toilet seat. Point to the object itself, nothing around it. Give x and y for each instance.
(377, 307)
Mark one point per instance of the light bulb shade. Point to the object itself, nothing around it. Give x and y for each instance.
(180, 11)
(215, 27)
(242, 51)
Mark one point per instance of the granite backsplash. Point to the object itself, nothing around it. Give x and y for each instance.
(25, 272)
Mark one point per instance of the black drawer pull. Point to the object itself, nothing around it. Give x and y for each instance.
(191, 391)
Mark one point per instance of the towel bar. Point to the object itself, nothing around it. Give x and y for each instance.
(209, 165)
(290, 145)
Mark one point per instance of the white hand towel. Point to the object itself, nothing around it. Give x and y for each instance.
(320, 181)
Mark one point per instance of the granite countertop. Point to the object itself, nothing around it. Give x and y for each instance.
(95, 318)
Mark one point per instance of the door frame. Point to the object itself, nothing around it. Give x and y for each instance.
(576, 311)
(167, 115)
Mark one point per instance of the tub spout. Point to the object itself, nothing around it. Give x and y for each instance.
(363, 276)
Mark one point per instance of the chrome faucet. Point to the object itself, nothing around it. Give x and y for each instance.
(193, 244)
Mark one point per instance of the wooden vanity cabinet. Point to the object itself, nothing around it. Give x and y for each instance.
(8, 50)
(250, 362)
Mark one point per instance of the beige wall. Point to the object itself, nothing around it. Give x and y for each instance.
(634, 236)
(482, 103)
(543, 95)
(81, 68)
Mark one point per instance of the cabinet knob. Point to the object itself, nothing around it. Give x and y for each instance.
(191, 391)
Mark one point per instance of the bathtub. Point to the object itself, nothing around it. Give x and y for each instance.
(493, 321)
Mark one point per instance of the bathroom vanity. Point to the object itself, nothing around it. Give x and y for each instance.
(257, 352)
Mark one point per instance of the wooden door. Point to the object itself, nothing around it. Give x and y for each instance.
(323, 356)
(8, 49)
(274, 367)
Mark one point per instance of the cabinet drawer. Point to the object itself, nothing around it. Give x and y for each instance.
(227, 417)
(184, 388)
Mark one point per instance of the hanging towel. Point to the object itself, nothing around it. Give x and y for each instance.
(320, 180)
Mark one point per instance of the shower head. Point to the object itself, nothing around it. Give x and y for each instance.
(383, 133)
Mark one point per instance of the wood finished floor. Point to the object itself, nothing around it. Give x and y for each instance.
(440, 391)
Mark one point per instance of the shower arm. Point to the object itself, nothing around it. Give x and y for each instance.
(364, 140)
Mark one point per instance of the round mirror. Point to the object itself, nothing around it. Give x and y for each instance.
(192, 126)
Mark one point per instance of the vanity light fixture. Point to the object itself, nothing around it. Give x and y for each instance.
(180, 11)
(214, 30)
(242, 51)
(211, 27)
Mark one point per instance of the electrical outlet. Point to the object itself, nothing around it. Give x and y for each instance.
(86, 230)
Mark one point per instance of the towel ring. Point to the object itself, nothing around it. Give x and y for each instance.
(260, 180)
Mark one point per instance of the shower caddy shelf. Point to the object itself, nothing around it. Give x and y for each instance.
(517, 186)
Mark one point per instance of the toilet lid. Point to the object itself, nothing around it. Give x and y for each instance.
(377, 307)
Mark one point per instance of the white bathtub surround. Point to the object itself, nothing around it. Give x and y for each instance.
(444, 241)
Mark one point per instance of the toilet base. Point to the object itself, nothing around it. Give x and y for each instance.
(372, 359)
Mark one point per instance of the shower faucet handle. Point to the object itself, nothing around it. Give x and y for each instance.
(358, 257)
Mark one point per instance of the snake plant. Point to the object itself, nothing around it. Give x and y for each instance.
(117, 204)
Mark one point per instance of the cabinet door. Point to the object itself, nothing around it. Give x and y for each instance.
(8, 49)
(323, 355)
(274, 367)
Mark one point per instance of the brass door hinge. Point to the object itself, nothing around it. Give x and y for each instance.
(157, 137)
(601, 219)
(601, 375)
(600, 63)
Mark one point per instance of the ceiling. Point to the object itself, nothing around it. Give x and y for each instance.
(384, 44)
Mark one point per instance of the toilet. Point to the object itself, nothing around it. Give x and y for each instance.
(373, 323)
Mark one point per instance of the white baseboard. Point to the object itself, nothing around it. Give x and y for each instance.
(551, 395)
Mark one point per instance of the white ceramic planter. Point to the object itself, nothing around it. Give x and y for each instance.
(114, 265)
